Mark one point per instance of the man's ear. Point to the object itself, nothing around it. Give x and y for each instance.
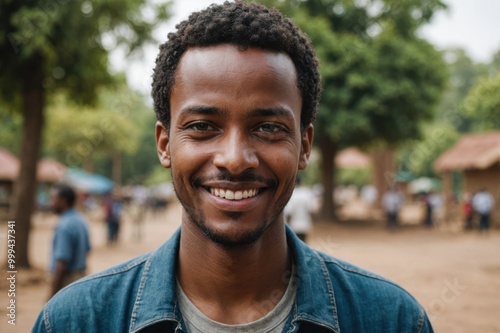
(306, 147)
(162, 145)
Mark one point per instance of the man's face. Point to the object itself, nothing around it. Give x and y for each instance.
(234, 143)
(57, 203)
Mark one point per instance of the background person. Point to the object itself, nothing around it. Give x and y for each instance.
(483, 203)
(71, 242)
(113, 208)
(392, 202)
(299, 209)
(467, 211)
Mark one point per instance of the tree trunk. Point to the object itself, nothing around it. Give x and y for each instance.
(33, 102)
(88, 164)
(117, 170)
(328, 151)
(383, 172)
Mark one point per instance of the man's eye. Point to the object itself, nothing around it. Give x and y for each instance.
(270, 128)
(201, 127)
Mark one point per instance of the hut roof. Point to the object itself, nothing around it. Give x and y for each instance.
(352, 158)
(474, 151)
(9, 165)
(50, 171)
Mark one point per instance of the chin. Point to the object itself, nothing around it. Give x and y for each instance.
(233, 239)
(229, 230)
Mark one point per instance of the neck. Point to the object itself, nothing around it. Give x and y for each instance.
(232, 285)
(64, 210)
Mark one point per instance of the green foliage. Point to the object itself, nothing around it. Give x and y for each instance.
(463, 74)
(379, 79)
(418, 156)
(71, 40)
(157, 176)
(10, 129)
(137, 166)
(358, 176)
(312, 174)
(120, 122)
(483, 103)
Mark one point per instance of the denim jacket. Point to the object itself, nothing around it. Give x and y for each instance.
(140, 296)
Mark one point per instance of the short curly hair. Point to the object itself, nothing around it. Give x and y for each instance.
(244, 25)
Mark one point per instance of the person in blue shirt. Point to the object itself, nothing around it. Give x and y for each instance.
(235, 89)
(71, 242)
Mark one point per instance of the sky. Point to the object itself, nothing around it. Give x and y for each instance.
(470, 24)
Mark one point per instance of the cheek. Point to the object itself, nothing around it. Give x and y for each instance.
(285, 158)
(187, 160)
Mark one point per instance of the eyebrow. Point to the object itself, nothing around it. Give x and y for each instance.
(271, 112)
(260, 112)
(204, 110)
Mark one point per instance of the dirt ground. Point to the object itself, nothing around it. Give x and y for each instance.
(455, 275)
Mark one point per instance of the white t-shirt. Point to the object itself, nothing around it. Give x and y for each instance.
(299, 209)
(392, 201)
(482, 202)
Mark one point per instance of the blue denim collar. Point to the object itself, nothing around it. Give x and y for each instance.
(68, 212)
(156, 299)
(315, 294)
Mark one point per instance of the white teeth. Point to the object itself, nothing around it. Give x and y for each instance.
(229, 195)
(233, 195)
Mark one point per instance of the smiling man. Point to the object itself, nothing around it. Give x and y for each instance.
(235, 91)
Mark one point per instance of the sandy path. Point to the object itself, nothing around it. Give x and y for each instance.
(455, 276)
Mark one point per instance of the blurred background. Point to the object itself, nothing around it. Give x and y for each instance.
(411, 104)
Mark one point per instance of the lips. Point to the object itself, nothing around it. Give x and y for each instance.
(234, 195)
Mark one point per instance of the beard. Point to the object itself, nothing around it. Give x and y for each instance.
(226, 241)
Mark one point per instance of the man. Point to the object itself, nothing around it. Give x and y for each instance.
(235, 90)
(113, 210)
(298, 210)
(392, 202)
(71, 243)
(483, 202)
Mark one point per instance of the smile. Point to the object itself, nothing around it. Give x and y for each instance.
(233, 195)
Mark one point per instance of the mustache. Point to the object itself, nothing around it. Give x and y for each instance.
(226, 176)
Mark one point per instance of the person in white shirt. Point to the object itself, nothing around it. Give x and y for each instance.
(392, 202)
(483, 202)
(299, 209)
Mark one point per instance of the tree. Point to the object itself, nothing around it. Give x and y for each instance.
(379, 80)
(463, 74)
(482, 104)
(58, 46)
(103, 130)
(418, 156)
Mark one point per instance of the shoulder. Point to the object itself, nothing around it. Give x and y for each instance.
(363, 280)
(109, 294)
(368, 298)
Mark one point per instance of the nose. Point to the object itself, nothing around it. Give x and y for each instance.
(235, 153)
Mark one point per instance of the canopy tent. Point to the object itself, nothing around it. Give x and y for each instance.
(424, 185)
(88, 182)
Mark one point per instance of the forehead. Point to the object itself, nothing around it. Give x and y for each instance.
(226, 57)
(226, 74)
